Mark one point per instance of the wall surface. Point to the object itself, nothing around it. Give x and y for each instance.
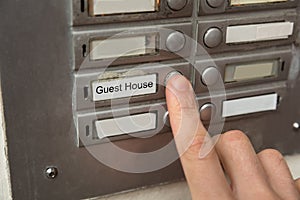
(180, 191)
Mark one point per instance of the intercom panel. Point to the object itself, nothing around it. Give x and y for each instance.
(83, 82)
(130, 45)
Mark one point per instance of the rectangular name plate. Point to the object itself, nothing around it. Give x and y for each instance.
(124, 87)
(249, 105)
(246, 2)
(123, 47)
(126, 125)
(251, 71)
(259, 32)
(103, 7)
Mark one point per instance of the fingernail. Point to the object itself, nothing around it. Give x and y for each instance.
(171, 75)
(180, 83)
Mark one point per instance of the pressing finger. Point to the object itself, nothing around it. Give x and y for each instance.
(204, 176)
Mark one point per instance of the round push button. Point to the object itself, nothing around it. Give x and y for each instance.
(175, 41)
(215, 3)
(176, 4)
(207, 112)
(210, 76)
(213, 37)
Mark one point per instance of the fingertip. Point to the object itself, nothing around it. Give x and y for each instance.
(171, 75)
(179, 92)
(177, 82)
(180, 100)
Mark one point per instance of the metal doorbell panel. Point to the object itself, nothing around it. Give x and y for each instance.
(137, 83)
(118, 46)
(244, 69)
(241, 32)
(83, 87)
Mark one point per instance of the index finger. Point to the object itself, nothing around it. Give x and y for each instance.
(204, 176)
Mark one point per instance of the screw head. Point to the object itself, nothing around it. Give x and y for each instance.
(296, 126)
(207, 112)
(51, 172)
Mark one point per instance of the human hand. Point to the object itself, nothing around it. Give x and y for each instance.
(263, 176)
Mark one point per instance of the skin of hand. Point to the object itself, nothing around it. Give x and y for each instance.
(262, 176)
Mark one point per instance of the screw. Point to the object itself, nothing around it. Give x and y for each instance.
(51, 172)
(296, 125)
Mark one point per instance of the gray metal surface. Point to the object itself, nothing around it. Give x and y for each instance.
(283, 54)
(218, 21)
(83, 36)
(83, 91)
(37, 80)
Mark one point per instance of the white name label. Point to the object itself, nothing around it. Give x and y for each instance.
(249, 105)
(124, 87)
(118, 47)
(259, 32)
(102, 7)
(244, 2)
(126, 125)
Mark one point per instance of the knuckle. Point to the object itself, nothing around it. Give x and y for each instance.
(197, 143)
(235, 136)
(192, 153)
(272, 154)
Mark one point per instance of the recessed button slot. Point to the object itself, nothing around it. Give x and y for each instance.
(82, 5)
(207, 112)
